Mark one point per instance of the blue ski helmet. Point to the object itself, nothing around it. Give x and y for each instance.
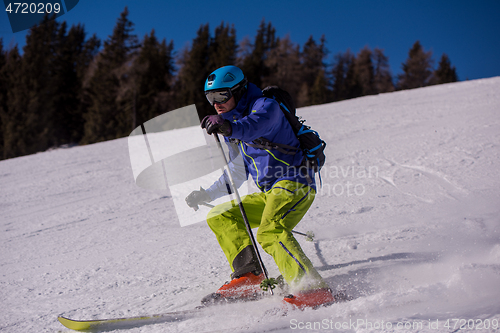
(227, 77)
(224, 83)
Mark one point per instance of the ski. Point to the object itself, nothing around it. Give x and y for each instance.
(128, 322)
(210, 301)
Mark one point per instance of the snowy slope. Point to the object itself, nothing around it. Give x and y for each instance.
(407, 222)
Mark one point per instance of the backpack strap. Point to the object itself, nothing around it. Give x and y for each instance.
(262, 143)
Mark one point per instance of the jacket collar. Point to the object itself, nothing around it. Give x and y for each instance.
(245, 103)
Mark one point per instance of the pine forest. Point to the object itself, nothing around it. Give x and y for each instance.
(68, 88)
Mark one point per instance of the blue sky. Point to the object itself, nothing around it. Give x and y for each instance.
(468, 31)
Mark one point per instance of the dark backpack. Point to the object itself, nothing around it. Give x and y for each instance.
(310, 142)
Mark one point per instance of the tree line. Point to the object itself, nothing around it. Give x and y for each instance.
(69, 89)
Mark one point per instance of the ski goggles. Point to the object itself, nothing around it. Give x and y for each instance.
(218, 96)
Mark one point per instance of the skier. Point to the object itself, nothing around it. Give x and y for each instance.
(287, 192)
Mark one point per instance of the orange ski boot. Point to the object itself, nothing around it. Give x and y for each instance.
(245, 287)
(311, 298)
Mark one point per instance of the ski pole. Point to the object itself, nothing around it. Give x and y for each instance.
(309, 235)
(242, 210)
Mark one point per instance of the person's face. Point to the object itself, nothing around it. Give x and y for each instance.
(226, 107)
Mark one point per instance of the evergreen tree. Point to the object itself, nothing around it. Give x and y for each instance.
(445, 73)
(319, 93)
(4, 83)
(109, 116)
(43, 102)
(30, 103)
(365, 72)
(223, 47)
(254, 64)
(352, 84)
(165, 100)
(313, 73)
(12, 121)
(66, 119)
(417, 70)
(193, 72)
(153, 71)
(382, 81)
(71, 59)
(338, 75)
(345, 81)
(84, 62)
(284, 66)
(3, 58)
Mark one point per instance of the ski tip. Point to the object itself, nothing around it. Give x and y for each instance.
(74, 324)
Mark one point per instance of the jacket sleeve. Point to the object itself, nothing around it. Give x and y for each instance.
(238, 170)
(262, 120)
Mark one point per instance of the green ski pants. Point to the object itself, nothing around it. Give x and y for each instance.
(275, 212)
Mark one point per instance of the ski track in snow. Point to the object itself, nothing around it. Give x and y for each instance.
(407, 223)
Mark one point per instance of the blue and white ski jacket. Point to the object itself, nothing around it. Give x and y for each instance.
(254, 117)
